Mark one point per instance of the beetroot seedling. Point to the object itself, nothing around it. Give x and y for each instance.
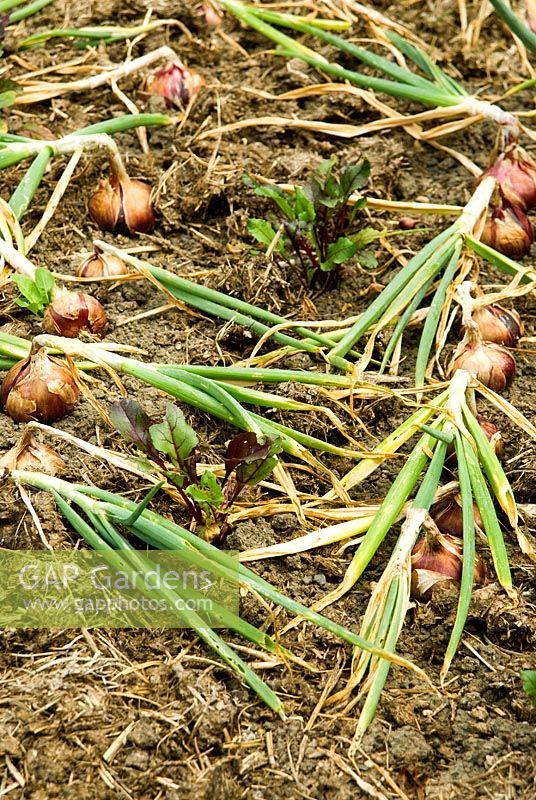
(173, 446)
(315, 228)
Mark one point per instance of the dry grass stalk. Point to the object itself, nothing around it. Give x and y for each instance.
(41, 91)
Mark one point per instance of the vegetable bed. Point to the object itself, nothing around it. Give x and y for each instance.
(280, 361)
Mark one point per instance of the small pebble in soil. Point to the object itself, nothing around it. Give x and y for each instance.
(284, 522)
(407, 223)
(138, 759)
(145, 735)
(470, 700)
(408, 746)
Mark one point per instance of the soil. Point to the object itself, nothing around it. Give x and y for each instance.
(190, 728)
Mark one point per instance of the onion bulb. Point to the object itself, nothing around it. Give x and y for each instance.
(493, 435)
(39, 388)
(177, 84)
(212, 12)
(515, 172)
(70, 313)
(508, 230)
(102, 265)
(122, 205)
(436, 562)
(490, 363)
(499, 325)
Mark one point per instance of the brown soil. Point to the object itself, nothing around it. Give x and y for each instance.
(191, 729)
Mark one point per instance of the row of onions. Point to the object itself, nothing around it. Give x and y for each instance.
(493, 225)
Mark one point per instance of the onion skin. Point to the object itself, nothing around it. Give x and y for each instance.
(177, 84)
(508, 231)
(424, 582)
(436, 561)
(122, 205)
(41, 458)
(448, 516)
(39, 388)
(493, 434)
(498, 325)
(34, 457)
(515, 172)
(490, 363)
(73, 312)
(102, 265)
(494, 437)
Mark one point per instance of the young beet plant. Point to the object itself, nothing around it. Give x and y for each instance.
(35, 295)
(249, 460)
(315, 227)
(528, 677)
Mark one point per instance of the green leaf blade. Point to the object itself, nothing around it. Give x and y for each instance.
(174, 437)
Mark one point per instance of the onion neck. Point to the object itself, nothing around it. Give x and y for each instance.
(473, 215)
